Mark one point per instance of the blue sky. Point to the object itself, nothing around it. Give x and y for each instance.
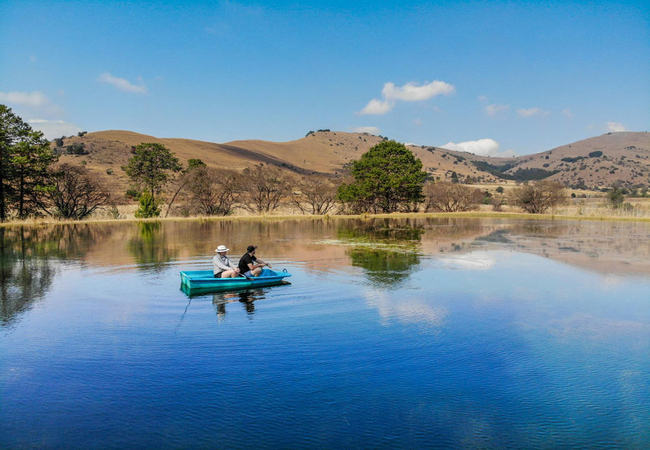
(491, 77)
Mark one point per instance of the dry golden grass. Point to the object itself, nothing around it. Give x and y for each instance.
(586, 211)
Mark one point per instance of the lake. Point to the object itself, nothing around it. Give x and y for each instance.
(394, 333)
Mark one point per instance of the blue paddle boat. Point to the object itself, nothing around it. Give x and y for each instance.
(204, 280)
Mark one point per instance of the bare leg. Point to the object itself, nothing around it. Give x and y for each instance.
(257, 271)
(228, 274)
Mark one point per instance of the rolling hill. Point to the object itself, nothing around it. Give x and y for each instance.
(602, 161)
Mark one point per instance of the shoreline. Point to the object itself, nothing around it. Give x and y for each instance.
(466, 214)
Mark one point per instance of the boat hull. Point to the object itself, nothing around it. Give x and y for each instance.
(204, 281)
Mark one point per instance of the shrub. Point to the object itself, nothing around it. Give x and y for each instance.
(76, 149)
(539, 197)
(451, 197)
(132, 193)
(149, 206)
(615, 197)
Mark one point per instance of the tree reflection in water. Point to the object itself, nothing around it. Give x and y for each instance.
(385, 268)
(150, 248)
(26, 272)
(30, 258)
(388, 251)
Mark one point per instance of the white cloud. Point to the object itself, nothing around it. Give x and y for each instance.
(567, 112)
(371, 130)
(533, 112)
(482, 99)
(482, 147)
(614, 127)
(493, 110)
(375, 106)
(54, 128)
(123, 84)
(410, 92)
(417, 122)
(33, 58)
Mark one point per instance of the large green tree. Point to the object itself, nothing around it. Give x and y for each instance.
(151, 167)
(30, 160)
(386, 178)
(12, 129)
(24, 158)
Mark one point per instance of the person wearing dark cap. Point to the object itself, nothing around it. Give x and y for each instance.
(250, 265)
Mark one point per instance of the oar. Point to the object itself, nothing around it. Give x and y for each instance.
(244, 275)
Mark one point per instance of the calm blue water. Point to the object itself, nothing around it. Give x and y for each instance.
(393, 334)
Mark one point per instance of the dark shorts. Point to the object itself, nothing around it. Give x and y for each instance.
(218, 275)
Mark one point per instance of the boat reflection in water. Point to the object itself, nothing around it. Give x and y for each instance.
(247, 298)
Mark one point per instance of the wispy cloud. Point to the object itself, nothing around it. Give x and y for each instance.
(493, 110)
(371, 130)
(530, 112)
(36, 101)
(481, 147)
(54, 128)
(614, 127)
(567, 112)
(410, 92)
(123, 84)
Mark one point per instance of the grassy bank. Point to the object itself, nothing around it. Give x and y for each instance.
(563, 214)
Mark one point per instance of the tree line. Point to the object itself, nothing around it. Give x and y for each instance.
(386, 179)
(32, 183)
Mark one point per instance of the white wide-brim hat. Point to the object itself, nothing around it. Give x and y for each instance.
(222, 248)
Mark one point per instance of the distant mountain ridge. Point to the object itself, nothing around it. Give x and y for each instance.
(615, 158)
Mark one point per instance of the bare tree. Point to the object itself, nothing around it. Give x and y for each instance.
(74, 192)
(537, 198)
(444, 196)
(264, 188)
(179, 183)
(317, 195)
(212, 191)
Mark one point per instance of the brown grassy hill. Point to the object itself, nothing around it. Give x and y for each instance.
(625, 157)
(602, 161)
(321, 152)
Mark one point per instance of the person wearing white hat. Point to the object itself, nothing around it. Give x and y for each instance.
(222, 267)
